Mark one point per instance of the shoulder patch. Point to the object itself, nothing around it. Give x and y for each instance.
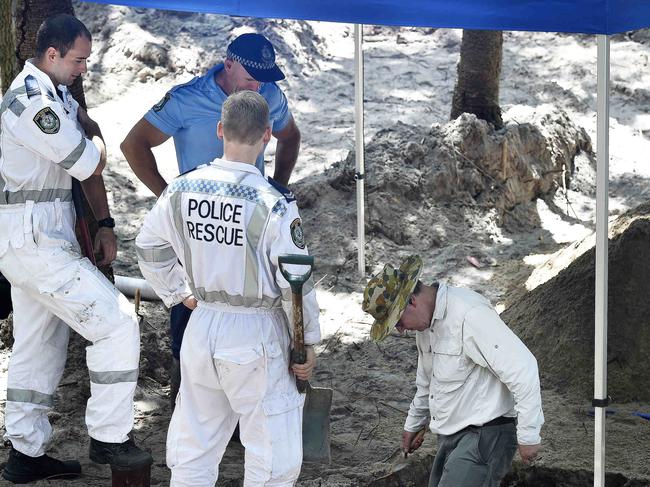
(159, 106)
(47, 121)
(286, 192)
(296, 233)
(31, 86)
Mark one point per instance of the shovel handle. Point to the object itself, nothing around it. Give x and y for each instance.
(295, 280)
(86, 241)
(298, 354)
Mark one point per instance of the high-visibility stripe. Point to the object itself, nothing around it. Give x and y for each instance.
(42, 196)
(113, 376)
(75, 155)
(175, 203)
(11, 102)
(160, 254)
(307, 287)
(32, 397)
(253, 234)
(3, 198)
(236, 300)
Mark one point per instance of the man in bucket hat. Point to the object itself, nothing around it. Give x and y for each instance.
(189, 113)
(477, 383)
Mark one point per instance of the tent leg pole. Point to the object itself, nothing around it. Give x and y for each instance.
(359, 147)
(602, 240)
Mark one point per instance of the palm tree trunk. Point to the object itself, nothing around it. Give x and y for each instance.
(7, 51)
(479, 70)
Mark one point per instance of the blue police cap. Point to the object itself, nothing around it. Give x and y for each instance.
(256, 54)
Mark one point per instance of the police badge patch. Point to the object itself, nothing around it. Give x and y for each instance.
(47, 121)
(159, 106)
(296, 234)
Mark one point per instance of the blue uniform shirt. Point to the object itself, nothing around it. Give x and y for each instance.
(190, 112)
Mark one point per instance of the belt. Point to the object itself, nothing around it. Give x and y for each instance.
(495, 422)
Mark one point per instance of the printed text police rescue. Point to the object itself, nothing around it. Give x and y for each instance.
(220, 212)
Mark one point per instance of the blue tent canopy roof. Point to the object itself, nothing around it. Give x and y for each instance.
(585, 16)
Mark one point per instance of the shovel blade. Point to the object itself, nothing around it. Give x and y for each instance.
(316, 425)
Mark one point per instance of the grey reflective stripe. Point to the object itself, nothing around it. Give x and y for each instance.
(3, 198)
(32, 397)
(160, 254)
(253, 233)
(10, 101)
(75, 155)
(236, 300)
(175, 204)
(113, 376)
(42, 196)
(307, 287)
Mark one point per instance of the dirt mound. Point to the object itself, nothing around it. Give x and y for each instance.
(556, 320)
(431, 189)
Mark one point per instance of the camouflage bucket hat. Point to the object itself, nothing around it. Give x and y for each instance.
(387, 293)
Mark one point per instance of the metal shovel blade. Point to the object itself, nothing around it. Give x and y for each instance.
(316, 425)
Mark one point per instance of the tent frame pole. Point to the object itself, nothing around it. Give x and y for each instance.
(359, 147)
(602, 240)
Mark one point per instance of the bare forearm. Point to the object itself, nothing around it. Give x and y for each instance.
(286, 155)
(95, 192)
(143, 164)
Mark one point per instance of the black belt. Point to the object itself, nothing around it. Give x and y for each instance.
(495, 422)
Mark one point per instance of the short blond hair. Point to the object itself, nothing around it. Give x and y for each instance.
(245, 117)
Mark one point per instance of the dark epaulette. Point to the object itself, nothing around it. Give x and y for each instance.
(32, 87)
(286, 192)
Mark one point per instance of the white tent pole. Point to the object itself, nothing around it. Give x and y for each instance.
(359, 147)
(602, 240)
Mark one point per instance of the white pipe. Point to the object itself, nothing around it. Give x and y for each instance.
(128, 285)
(359, 147)
(602, 240)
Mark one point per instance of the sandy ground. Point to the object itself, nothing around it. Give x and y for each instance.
(409, 76)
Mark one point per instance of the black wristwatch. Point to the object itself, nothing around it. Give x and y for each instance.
(106, 222)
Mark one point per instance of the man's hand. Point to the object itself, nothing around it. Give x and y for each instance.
(190, 302)
(303, 371)
(528, 453)
(411, 441)
(106, 243)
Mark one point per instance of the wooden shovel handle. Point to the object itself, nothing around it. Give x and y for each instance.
(298, 354)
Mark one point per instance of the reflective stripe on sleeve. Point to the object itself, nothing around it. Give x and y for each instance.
(11, 102)
(75, 155)
(113, 376)
(32, 397)
(160, 254)
(307, 287)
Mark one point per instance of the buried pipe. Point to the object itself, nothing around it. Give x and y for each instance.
(129, 285)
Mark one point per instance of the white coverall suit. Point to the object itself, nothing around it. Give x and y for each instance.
(53, 287)
(216, 233)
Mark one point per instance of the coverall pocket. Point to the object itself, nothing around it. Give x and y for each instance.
(239, 356)
(242, 376)
(12, 231)
(281, 393)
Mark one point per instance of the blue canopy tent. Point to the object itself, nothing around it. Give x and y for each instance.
(601, 17)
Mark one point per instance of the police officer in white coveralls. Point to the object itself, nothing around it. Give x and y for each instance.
(214, 238)
(46, 139)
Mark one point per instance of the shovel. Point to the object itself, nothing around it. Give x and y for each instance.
(318, 400)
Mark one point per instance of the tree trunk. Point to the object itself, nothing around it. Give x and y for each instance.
(30, 14)
(7, 51)
(479, 70)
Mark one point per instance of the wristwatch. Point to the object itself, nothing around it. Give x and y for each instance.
(106, 222)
